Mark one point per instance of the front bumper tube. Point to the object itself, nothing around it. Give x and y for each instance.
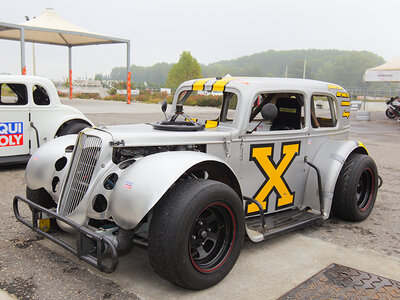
(91, 247)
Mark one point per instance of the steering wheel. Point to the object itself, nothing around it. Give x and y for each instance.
(172, 124)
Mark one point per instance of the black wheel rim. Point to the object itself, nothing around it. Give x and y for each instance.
(365, 189)
(212, 237)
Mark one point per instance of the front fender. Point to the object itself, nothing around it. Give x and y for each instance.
(329, 159)
(144, 182)
(41, 168)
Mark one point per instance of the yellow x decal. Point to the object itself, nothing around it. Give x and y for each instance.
(262, 155)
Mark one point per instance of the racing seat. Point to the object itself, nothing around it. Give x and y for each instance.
(289, 115)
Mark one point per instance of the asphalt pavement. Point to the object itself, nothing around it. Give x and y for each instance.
(264, 270)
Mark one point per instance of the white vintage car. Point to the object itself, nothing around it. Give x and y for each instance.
(30, 115)
(274, 157)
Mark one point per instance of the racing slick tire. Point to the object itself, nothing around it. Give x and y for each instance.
(73, 128)
(390, 114)
(42, 197)
(356, 188)
(196, 233)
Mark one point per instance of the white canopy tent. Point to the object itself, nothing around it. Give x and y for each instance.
(50, 28)
(389, 72)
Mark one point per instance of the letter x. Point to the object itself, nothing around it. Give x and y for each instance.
(262, 155)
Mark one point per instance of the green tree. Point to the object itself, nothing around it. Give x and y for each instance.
(98, 76)
(187, 68)
(348, 69)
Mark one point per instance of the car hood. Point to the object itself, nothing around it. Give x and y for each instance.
(146, 135)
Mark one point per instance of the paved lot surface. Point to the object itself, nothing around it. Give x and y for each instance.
(32, 268)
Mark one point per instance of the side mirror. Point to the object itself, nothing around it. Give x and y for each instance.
(269, 112)
(164, 107)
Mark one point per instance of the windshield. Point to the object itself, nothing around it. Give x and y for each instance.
(209, 106)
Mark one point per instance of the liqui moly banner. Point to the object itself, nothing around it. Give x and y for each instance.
(11, 134)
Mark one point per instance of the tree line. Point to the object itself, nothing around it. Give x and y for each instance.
(339, 66)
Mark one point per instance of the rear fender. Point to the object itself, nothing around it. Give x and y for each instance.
(143, 183)
(329, 159)
(49, 162)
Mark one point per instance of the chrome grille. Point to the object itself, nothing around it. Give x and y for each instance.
(86, 155)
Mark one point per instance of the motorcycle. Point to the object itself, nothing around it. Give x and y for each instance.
(393, 110)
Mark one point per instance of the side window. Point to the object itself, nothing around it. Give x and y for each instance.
(290, 111)
(323, 111)
(13, 94)
(40, 96)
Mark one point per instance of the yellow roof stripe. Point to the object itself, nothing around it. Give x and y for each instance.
(199, 84)
(219, 85)
(334, 87)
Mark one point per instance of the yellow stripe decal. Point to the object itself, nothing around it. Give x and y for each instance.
(219, 85)
(211, 124)
(199, 84)
(208, 123)
(341, 94)
(345, 103)
(334, 87)
(346, 114)
(287, 110)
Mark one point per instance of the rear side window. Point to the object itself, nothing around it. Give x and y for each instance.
(13, 94)
(40, 96)
(323, 111)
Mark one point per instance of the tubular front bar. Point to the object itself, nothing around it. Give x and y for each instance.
(91, 247)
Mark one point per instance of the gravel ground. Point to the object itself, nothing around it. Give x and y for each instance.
(31, 271)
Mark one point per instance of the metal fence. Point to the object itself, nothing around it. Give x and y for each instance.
(372, 94)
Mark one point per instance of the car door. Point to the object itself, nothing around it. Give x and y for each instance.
(14, 120)
(272, 167)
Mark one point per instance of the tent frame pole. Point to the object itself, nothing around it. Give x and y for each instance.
(22, 39)
(70, 71)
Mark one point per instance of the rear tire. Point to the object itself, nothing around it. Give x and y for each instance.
(73, 128)
(196, 233)
(390, 114)
(356, 188)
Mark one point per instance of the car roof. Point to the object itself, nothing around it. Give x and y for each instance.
(258, 83)
(23, 79)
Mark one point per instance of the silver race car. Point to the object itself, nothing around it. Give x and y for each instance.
(272, 157)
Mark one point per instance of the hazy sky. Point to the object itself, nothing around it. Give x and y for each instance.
(211, 30)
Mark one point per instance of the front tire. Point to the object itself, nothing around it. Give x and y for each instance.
(196, 233)
(390, 114)
(356, 188)
(43, 198)
(40, 197)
